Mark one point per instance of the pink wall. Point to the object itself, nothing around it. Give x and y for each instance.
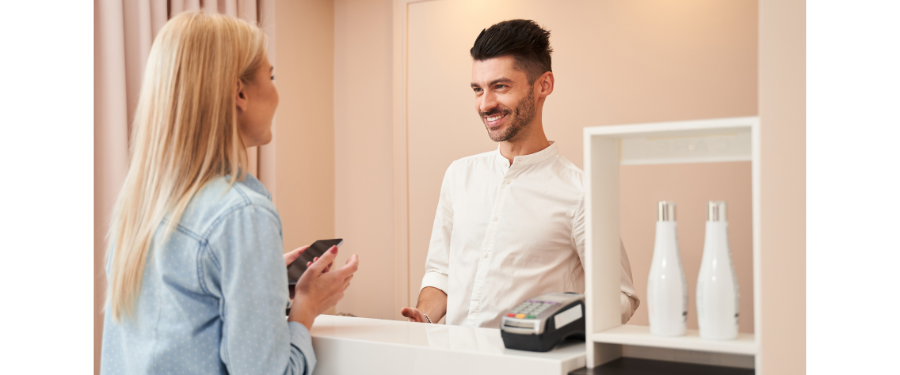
(657, 60)
(301, 174)
(782, 112)
(363, 153)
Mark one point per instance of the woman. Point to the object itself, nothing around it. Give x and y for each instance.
(197, 279)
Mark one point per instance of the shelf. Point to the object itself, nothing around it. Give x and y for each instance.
(606, 149)
(744, 344)
(701, 141)
(674, 128)
(631, 366)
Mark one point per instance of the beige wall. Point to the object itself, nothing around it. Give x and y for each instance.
(363, 153)
(782, 111)
(614, 62)
(301, 174)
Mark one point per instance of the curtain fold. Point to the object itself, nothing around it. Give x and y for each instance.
(110, 139)
(123, 34)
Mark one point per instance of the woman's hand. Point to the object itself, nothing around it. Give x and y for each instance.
(317, 290)
(291, 256)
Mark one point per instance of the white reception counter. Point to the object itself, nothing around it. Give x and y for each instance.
(346, 345)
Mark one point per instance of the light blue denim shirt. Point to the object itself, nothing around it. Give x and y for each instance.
(213, 295)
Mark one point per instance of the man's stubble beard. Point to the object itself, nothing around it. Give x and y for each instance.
(523, 114)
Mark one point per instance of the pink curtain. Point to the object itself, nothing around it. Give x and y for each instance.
(123, 33)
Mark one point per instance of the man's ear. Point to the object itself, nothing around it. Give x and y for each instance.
(545, 84)
(241, 99)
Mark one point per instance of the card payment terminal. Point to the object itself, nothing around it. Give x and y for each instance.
(539, 323)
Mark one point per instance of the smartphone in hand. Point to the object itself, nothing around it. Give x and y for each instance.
(296, 269)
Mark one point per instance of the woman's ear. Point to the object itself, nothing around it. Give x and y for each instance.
(241, 99)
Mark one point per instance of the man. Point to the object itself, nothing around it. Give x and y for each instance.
(510, 223)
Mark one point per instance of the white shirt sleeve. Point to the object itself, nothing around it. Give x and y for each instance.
(438, 259)
(629, 300)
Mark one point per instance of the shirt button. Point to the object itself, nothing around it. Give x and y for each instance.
(496, 218)
(485, 255)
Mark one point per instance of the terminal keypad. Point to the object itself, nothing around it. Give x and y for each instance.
(530, 309)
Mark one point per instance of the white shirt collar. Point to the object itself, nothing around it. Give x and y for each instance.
(533, 158)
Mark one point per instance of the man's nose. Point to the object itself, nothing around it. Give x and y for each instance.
(487, 102)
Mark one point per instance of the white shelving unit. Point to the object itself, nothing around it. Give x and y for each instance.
(744, 344)
(605, 149)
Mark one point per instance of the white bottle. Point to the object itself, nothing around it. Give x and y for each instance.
(667, 297)
(718, 299)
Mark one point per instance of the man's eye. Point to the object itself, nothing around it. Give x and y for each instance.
(477, 90)
(500, 87)
(273, 78)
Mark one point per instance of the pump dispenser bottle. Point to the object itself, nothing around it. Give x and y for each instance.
(717, 288)
(666, 288)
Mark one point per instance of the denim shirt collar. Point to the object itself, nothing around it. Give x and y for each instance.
(253, 184)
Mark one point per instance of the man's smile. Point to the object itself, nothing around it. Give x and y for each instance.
(494, 120)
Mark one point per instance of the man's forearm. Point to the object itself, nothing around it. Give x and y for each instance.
(432, 302)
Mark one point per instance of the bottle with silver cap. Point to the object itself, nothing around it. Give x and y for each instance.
(667, 297)
(717, 289)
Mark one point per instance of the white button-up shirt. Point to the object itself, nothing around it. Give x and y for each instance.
(503, 234)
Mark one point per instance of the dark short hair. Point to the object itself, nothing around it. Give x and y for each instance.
(524, 40)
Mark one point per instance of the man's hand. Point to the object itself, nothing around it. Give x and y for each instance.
(413, 314)
(432, 301)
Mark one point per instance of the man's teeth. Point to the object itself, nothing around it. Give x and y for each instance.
(494, 118)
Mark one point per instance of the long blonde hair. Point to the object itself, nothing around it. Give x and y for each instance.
(185, 133)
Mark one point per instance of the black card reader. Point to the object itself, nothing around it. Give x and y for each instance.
(539, 323)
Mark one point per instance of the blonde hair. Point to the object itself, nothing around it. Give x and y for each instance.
(185, 133)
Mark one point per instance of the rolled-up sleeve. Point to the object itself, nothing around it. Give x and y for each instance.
(250, 280)
(628, 300)
(438, 259)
